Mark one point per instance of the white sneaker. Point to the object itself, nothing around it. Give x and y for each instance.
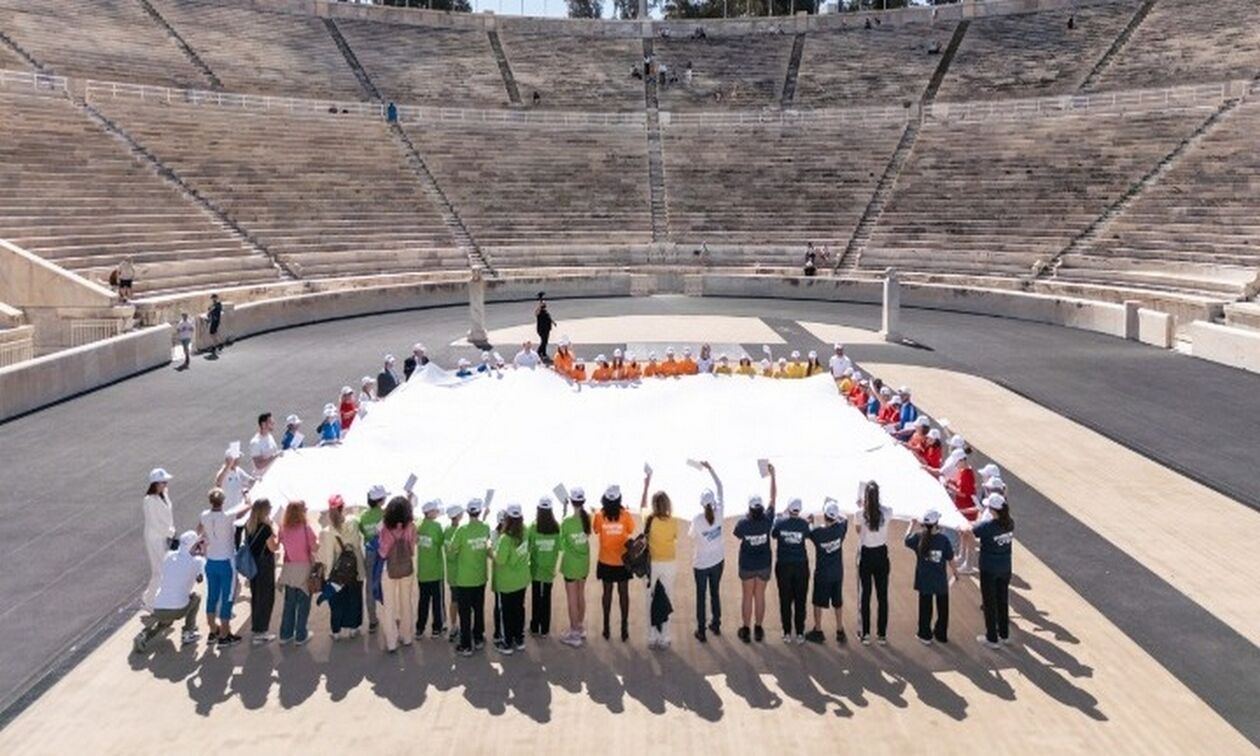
(1005, 641)
(925, 641)
(262, 639)
(984, 641)
(190, 636)
(800, 639)
(572, 640)
(787, 638)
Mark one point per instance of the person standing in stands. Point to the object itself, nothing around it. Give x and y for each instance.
(298, 540)
(430, 568)
(340, 559)
(996, 535)
(214, 318)
(613, 526)
(544, 550)
(512, 575)
(662, 539)
(708, 555)
(159, 529)
(262, 447)
(544, 323)
(418, 359)
(575, 566)
(260, 536)
(753, 532)
(791, 571)
(873, 565)
(387, 379)
(126, 278)
(933, 555)
(468, 549)
(829, 571)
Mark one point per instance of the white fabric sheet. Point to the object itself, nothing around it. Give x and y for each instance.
(521, 432)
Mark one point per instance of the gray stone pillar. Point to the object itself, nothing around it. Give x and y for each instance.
(889, 329)
(477, 309)
(1132, 319)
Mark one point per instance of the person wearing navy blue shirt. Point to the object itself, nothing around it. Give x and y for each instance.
(791, 571)
(828, 541)
(996, 535)
(753, 532)
(934, 555)
(909, 412)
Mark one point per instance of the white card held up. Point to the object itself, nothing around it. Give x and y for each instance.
(695, 463)
(647, 469)
(763, 467)
(411, 483)
(234, 449)
(766, 349)
(489, 497)
(562, 494)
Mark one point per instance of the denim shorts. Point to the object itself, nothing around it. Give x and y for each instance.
(219, 585)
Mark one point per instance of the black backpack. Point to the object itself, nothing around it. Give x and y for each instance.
(346, 569)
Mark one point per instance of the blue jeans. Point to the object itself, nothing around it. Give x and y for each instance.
(293, 616)
(708, 579)
(219, 583)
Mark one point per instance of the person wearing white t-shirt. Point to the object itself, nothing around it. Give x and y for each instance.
(708, 554)
(872, 522)
(159, 529)
(839, 363)
(176, 597)
(527, 357)
(217, 528)
(232, 479)
(262, 447)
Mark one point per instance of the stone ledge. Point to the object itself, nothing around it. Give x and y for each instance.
(1236, 347)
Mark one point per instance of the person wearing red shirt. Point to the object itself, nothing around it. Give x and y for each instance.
(933, 453)
(348, 410)
(890, 412)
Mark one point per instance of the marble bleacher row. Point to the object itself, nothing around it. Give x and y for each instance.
(327, 194)
(771, 188)
(739, 72)
(543, 196)
(992, 198)
(886, 63)
(1033, 55)
(98, 39)
(1198, 228)
(576, 72)
(73, 194)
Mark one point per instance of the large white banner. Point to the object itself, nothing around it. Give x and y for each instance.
(522, 432)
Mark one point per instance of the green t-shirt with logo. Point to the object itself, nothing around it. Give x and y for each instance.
(448, 537)
(430, 562)
(511, 564)
(544, 552)
(468, 550)
(575, 549)
(370, 523)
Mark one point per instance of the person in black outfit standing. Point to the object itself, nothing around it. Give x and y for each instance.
(259, 533)
(996, 535)
(214, 316)
(545, 324)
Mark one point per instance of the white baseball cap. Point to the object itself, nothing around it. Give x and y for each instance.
(616, 353)
(990, 471)
(377, 493)
(813, 355)
(796, 354)
(885, 391)
(474, 506)
(564, 341)
(895, 399)
(330, 410)
(577, 495)
(544, 502)
(755, 502)
(293, 420)
(669, 350)
(366, 380)
(722, 357)
(832, 511)
(613, 493)
(500, 516)
(686, 350)
(904, 390)
(160, 475)
(765, 363)
(601, 358)
(783, 360)
(995, 501)
(463, 362)
(454, 511)
(233, 452)
(931, 517)
(794, 506)
(629, 355)
(514, 511)
(433, 505)
(838, 347)
(651, 355)
(935, 434)
(485, 356)
(346, 390)
(956, 442)
(417, 347)
(923, 422)
(857, 375)
(389, 359)
(995, 484)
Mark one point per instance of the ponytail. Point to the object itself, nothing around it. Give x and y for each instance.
(585, 517)
(708, 514)
(1003, 518)
(874, 515)
(925, 540)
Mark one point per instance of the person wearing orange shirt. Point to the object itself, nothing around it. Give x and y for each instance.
(687, 366)
(578, 373)
(562, 360)
(632, 371)
(670, 367)
(613, 525)
(618, 366)
(890, 412)
(933, 454)
(919, 439)
(653, 368)
(603, 371)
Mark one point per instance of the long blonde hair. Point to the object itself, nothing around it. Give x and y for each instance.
(259, 513)
(294, 515)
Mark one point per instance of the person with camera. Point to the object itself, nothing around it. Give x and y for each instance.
(544, 323)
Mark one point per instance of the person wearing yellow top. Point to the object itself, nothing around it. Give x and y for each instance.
(767, 368)
(845, 384)
(813, 366)
(670, 367)
(687, 366)
(653, 368)
(745, 367)
(795, 368)
(662, 539)
(780, 369)
(723, 366)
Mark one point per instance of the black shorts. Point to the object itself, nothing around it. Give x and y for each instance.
(612, 573)
(828, 593)
(125, 283)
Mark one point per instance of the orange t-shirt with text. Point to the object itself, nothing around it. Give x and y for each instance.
(612, 535)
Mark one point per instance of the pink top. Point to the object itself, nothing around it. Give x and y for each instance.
(389, 535)
(299, 544)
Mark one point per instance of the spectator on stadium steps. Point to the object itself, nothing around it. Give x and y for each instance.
(996, 535)
(839, 363)
(708, 553)
(259, 535)
(216, 527)
(753, 533)
(537, 98)
(575, 565)
(387, 380)
(647, 64)
(705, 363)
(661, 530)
(613, 526)
(214, 319)
(185, 330)
(873, 565)
(298, 541)
(234, 481)
(391, 113)
(933, 555)
(663, 74)
(635, 73)
(698, 33)
(687, 74)
(543, 324)
(126, 278)
(159, 529)
(339, 558)
(527, 357)
(418, 359)
(1071, 22)
(175, 597)
(293, 436)
(262, 447)
(828, 540)
(791, 571)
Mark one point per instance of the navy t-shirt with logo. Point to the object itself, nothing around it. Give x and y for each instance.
(929, 571)
(828, 551)
(791, 533)
(754, 542)
(995, 547)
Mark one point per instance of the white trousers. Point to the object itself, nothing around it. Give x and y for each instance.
(663, 573)
(398, 612)
(156, 549)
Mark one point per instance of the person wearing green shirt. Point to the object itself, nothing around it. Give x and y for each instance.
(544, 552)
(468, 551)
(575, 565)
(370, 527)
(430, 567)
(455, 513)
(512, 577)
